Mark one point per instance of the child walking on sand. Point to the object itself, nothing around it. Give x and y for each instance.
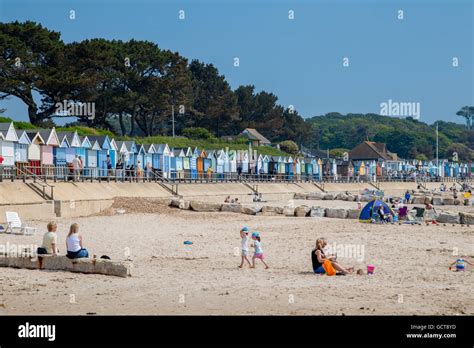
(244, 234)
(258, 250)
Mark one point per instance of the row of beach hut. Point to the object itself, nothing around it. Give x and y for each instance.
(48, 152)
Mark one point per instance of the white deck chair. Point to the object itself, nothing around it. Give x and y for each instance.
(14, 222)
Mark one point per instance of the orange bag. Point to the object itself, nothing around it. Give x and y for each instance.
(327, 265)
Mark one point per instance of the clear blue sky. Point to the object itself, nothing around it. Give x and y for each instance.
(299, 60)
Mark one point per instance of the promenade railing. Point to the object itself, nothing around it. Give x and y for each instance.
(94, 174)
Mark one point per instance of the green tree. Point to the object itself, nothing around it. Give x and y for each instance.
(31, 61)
(468, 113)
(289, 146)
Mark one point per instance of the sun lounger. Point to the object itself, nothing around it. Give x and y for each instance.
(14, 223)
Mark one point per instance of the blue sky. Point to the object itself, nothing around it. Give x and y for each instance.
(299, 60)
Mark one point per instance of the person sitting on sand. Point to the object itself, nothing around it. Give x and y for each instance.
(258, 250)
(50, 243)
(244, 234)
(318, 257)
(74, 244)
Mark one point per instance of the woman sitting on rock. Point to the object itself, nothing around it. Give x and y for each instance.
(74, 244)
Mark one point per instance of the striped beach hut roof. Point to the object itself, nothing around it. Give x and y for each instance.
(7, 132)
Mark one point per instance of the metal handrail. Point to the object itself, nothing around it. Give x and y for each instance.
(44, 173)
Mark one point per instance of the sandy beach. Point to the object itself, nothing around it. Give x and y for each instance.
(411, 268)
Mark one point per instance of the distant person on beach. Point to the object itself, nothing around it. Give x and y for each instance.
(407, 197)
(119, 169)
(74, 246)
(318, 258)
(244, 250)
(239, 170)
(467, 197)
(109, 166)
(460, 264)
(76, 165)
(50, 241)
(81, 165)
(209, 173)
(149, 170)
(227, 199)
(139, 169)
(258, 250)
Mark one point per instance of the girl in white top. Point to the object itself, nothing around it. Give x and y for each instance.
(244, 234)
(74, 244)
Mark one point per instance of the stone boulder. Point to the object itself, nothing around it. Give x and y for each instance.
(430, 215)
(231, 207)
(341, 196)
(179, 203)
(353, 213)
(336, 213)
(437, 201)
(204, 206)
(329, 196)
(315, 196)
(456, 201)
(268, 209)
(302, 211)
(300, 196)
(251, 209)
(351, 198)
(448, 217)
(448, 201)
(317, 212)
(174, 202)
(279, 210)
(289, 211)
(467, 218)
(419, 200)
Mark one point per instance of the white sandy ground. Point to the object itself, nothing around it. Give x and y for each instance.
(411, 265)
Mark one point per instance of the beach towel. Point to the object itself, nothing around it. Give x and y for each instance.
(327, 265)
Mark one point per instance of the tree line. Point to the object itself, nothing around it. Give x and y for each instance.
(135, 87)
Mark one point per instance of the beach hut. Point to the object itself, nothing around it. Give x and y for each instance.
(298, 164)
(221, 161)
(259, 165)
(106, 149)
(60, 152)
(193, 164)
(8, 138)
(162, 159)
(188, 154)
(148, 157)
(140, 157)
(34, 152)
(273, 165)
(21, 150)
(212, 156)
(266, 162)
(178, 157)
(92, 161)
(51, 141)
(232, 158)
